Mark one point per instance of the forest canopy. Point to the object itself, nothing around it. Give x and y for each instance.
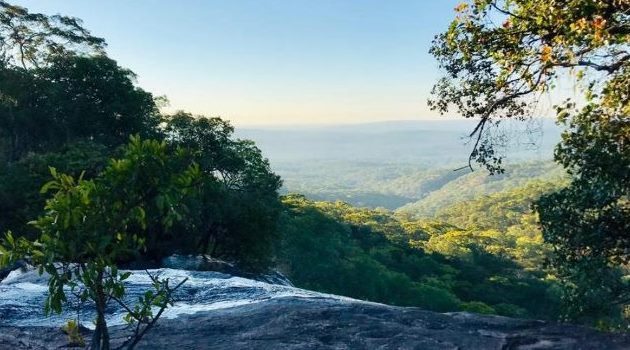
(501, 56)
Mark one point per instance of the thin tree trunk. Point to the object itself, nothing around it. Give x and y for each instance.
(100, 340)
(204, 244)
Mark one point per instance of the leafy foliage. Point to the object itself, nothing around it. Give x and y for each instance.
(30, 39)
(371, 254)
(185, 184)
(72, 329)
(89, 225)
(588, 222)
(21, 181)
(237, 207)
(71, 99)
(71, 107)
(499, 56)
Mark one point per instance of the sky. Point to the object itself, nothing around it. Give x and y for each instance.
(269, 62)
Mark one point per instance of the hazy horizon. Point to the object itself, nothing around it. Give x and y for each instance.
(434, 142)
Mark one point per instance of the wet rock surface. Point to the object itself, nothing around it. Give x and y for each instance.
(23, 293)
(218, 311)
(296, 323)
(207, 263)
(18, 265)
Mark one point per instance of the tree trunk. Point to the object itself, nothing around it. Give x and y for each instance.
(100, 340)
(204, 244)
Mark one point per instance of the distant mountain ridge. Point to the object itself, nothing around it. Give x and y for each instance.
(393, 164)
(429, 142)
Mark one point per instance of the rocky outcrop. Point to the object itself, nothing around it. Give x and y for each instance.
(18, 265)
(220, 311)
(208, 263)
(295, 323)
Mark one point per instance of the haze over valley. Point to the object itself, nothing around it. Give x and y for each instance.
(392, 164)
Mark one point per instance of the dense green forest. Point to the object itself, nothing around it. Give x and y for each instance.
(492, 265)
(94, 175)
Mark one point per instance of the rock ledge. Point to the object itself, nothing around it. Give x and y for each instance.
(298, 323)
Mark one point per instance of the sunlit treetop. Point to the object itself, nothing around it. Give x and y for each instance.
(31, 39)
(499, 56)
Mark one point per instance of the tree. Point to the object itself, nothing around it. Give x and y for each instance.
(238, 203)
(96, 99)
(500, 56)
(63, 103)
(90, 225)
(58, 86)
(588, 222)
(31, 39)
(73, 98)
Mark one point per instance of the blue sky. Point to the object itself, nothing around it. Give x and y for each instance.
(274, 62)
